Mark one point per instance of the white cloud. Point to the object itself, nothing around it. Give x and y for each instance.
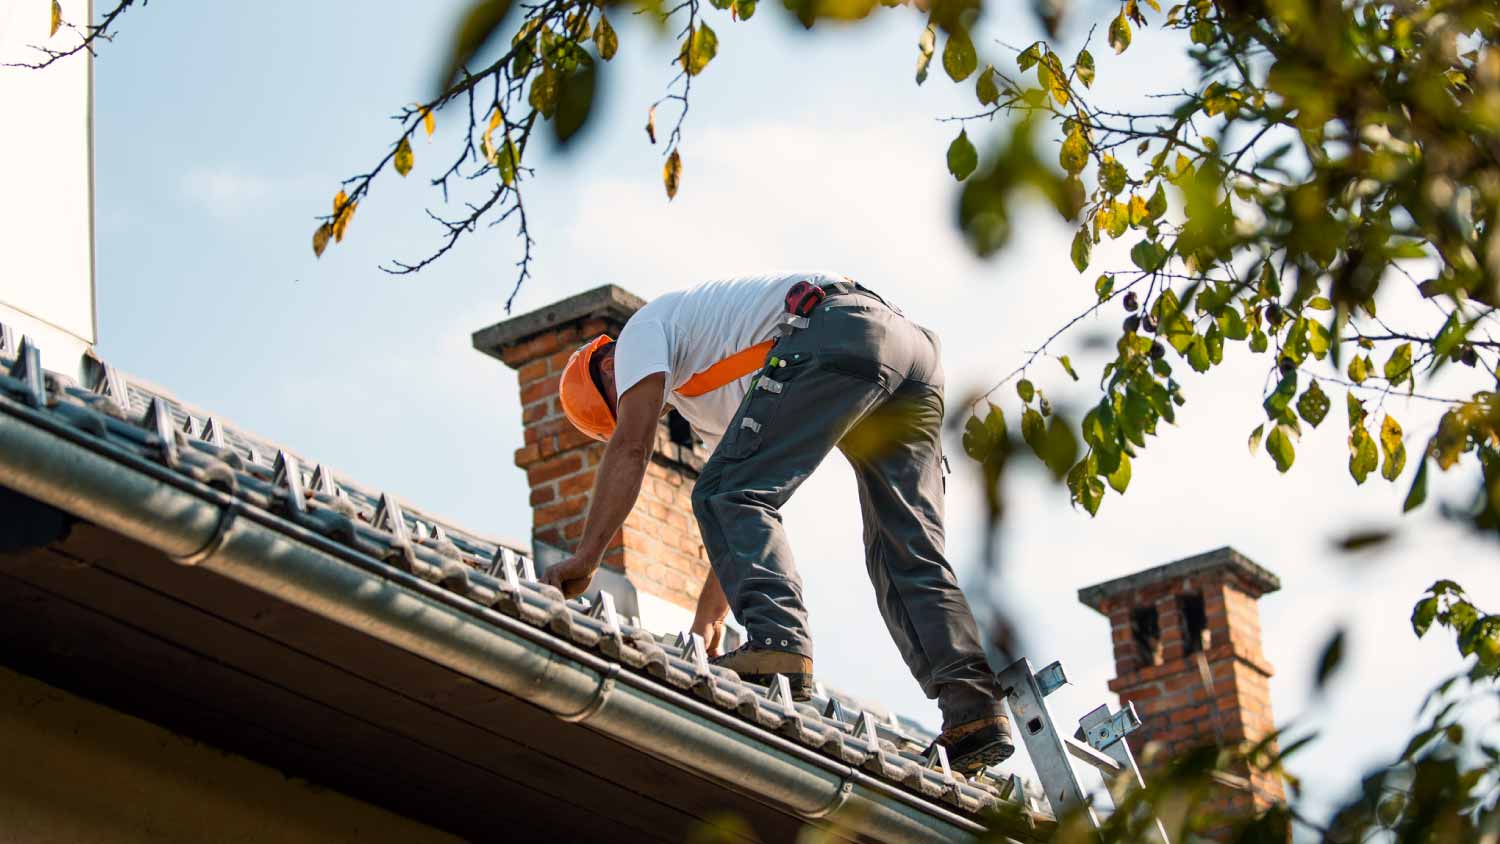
(224, 191)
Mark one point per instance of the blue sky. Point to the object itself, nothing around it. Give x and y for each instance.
(224, 129)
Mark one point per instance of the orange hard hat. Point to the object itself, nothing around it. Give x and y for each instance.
(581, 399)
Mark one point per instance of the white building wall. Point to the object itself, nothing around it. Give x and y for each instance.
(46, 184)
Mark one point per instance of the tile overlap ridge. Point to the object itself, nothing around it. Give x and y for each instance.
(151, 424)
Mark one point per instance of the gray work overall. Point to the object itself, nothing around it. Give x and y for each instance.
(861, 377)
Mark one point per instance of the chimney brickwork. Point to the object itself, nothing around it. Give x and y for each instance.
(1187, 648)
(659, 548)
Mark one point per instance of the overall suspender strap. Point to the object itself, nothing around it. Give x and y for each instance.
(726, 371)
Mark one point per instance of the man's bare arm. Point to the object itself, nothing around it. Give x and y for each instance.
(617, 484)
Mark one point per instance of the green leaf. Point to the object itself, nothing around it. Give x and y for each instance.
(1279, 445)
(1213, 341)
(1083, 67)
(605, 39)
(976, 440)
(1083, 245)
(699, 49)
(1148, 255)
(1258, 341)
(1119, 33)
(1067, 366)
(543, 96)
(1422, 616)
(1029, 56)
(1074, 155)
(1320, 303)
(1157, 204)
(1277, 404)
(1112, 175)
(1026, 390)
(404, 158)
(1104, 286)
(986, 88)
(1393, 447)
(1356, 410)
(1119, 479)
(1363, 456)
(1359, 369)
(1398, 367)
(959, 58)
(1197, 354)
(1452, 333)
(1255, 438)
(1086, 488)
(1333, 655)
(1061, 445)
(1034, 431)
(575, 99)
(1233, 324)
(1313, 405)
(1119, 218)
(962, 157)
(1418, 492)
(1318, 339)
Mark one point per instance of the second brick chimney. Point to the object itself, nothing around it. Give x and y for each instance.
(1188, 654)
(659, 548)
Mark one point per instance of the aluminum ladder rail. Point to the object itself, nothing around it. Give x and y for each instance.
(1052, 753)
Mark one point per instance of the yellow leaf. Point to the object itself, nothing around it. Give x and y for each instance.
(320, 239)
(56, 18)
(651, 124)
(338, 202)
(404, 157)
(342, 217)
(487, 141)
(671, 174)
(428, 122)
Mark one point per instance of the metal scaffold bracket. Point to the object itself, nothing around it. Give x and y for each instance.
(1098, 742)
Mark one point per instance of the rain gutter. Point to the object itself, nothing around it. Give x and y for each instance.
(196, 524)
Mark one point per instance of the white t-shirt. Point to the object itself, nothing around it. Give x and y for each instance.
(685, 332)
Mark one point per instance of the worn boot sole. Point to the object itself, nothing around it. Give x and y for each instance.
(977, 750)
(801, 684)
(976, 760)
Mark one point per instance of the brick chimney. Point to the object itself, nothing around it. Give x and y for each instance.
(659, 549)
(1188, 655)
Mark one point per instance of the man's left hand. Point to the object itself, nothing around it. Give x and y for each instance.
(572, 576)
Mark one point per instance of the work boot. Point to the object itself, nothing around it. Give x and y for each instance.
(760, 665)
(975, 745)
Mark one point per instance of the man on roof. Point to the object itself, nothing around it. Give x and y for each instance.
(773, 373)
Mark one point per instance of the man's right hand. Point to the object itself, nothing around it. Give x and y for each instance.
(712, 633)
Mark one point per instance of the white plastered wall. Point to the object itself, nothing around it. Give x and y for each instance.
(46, 184)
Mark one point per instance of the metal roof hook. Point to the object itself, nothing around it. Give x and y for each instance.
(389, 518)
(28, 370)
(289, 477)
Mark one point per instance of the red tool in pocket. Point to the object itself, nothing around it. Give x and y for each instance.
(803, 297)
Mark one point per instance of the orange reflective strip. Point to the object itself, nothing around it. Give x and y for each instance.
(732, 368)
